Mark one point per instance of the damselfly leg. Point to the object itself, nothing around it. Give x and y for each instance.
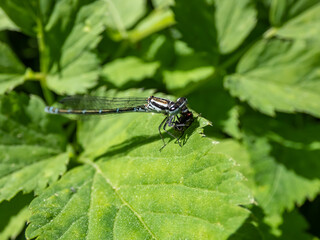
(159, 128)
(169, 122)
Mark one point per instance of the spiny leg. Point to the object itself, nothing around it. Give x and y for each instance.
(169, 123)
(159, 128)
(177, 126)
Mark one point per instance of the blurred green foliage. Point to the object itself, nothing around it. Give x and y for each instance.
(251, 67)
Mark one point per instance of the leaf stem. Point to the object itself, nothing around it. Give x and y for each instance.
(44, 62)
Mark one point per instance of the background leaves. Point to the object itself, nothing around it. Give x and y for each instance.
(270, 80)
(249, 67)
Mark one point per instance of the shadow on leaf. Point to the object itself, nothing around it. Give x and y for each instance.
(137, 141)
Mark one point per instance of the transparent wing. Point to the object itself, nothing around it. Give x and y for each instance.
(93, 103)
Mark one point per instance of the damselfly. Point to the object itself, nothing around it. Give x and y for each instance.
(177, 114)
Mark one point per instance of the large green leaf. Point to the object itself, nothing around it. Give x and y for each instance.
(294, 226)
(279, 76)
(215, 104)
(11, 69)
(290, 140)
(282, 11)
(77, 68)
(31, 147)
(135, 191)
(187, 70)
(6, 23)
(180, 79)
(278, 188)
(157, 20)
(285, 157)
(162, 3)
(226, 24)
(269, 226)
(195, 21)
(77, 77)
(123, 14)
(14, 215)
(234, 21)
(240, 154)
(67, 32)
(121, 71)
(277, 171)
(23, 14)
(304, 26)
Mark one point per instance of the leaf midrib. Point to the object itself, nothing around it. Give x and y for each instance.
(99, 171)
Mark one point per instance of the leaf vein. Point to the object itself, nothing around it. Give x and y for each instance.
(96, 167)
(69, 227)
(186, 216)
(173, 184)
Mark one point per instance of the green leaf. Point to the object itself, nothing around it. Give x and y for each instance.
(279, 76)
(6, 23)
(234, 21)
(289, 225)
(189, 192)
(73, 52)
(162, 3)
(294, 226)
(122, 71)
(278, 188)
(157, 20)
(159, 48)
(9, 63)
(240, 154)
(304, 26)
(278, 11)
(223, 110)
(9, 81)
(14, 215)
(187, 70)
(58, 21)
(280, 183)
(181, 80)
(16, 224)
(291, 138)
(23, 14)
(77, 77)
(282, 11)
(190, 15)
(77, 62)
(123, 14)
(31, 148)
(11, 69)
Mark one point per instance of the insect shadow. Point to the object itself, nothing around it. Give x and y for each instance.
(135, 142)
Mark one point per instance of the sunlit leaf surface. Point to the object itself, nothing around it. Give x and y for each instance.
(31, 147)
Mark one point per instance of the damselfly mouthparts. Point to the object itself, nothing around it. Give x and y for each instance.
(177, 114)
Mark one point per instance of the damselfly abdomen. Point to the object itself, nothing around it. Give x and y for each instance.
(178, 116)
